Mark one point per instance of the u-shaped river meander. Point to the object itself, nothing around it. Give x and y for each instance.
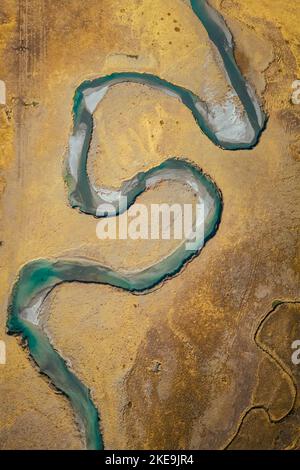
(38, 277)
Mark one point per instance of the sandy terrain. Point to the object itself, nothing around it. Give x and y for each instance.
(183, 366)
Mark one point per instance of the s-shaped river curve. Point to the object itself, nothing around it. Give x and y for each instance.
(38, 277)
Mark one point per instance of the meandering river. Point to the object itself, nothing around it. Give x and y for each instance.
(38, 277)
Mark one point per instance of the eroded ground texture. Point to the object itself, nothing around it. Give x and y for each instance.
(204, 361)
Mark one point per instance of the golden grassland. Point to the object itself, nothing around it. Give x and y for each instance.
(182, 366)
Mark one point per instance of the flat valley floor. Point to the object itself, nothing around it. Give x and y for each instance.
(204, 361)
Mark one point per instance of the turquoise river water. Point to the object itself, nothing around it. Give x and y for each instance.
(38, 277)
